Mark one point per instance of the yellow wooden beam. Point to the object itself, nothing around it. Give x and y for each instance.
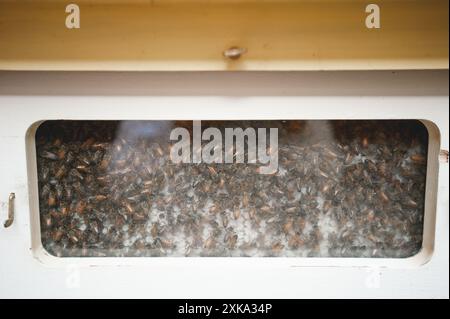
(192, 35)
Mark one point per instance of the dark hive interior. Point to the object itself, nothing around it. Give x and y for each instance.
(342, 189)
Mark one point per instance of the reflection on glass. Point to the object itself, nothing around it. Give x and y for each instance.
(341, 189)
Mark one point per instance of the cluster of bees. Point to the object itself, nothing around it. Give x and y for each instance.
(342, 189)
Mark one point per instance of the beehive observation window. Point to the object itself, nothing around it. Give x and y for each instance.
(179, 188)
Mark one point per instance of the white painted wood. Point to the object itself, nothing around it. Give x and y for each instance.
(32, 99)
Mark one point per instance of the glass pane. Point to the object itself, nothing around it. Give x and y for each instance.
(181, 188)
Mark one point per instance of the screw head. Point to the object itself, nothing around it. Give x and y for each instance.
(234, 53)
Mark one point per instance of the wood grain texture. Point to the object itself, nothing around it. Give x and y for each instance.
(191, 35)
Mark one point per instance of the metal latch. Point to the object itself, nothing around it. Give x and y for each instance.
(10, 219)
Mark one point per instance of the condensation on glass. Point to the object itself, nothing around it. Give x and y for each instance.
(341, 189)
